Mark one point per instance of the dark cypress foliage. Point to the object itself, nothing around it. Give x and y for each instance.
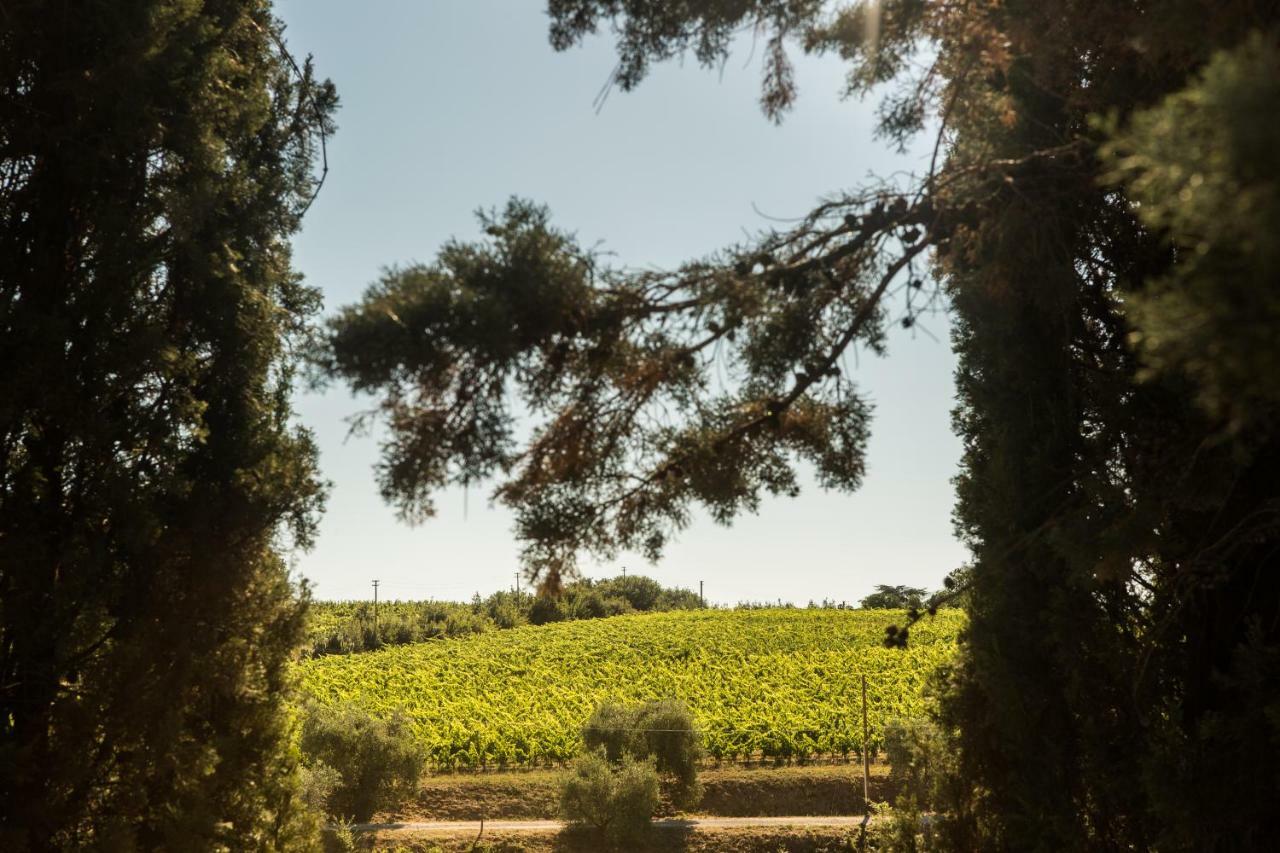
(155, 157)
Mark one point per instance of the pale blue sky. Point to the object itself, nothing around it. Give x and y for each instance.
(450, 106)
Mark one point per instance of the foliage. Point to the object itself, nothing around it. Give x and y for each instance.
(340, 837)
(341, 627)
(616, 800)
(155, 159)
(610, 731)
(377, 762)
(639, 592)
(319, 782)
(662, 730)
(1099, 211)
(1116, 489)
(894, 598)
(918, 759)
(1200, 166)
(545, 609)
(902, 827)
(630, 358)
(924, 773)
(778, 684)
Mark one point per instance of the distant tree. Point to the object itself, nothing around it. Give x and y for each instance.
(641, 592)
(678, 599)
(155, 158)
(584, 601)
(894, 598)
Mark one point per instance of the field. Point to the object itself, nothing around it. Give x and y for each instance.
(779, 684)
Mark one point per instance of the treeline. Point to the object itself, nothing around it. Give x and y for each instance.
(342, 627)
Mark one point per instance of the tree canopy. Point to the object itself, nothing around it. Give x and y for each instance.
(894, 597)
(1098, 215)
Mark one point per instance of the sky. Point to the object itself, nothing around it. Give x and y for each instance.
(448, 107)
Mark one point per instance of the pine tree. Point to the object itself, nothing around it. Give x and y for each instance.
(155, 156)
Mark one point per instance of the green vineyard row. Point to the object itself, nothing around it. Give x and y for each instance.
(782, 684)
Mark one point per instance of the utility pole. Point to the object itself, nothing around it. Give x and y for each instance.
(701, 599)
(375, 613)
(624, 571)
(517, 589)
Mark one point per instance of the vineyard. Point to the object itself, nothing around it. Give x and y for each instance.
(782, 684)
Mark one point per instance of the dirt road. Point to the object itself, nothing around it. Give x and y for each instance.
(556, 825)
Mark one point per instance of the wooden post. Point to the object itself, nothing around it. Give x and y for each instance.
(866, 750)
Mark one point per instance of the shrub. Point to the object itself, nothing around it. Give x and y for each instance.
(339, 837)
(609, 731)
(662, 731)
(586, 602)
(667, 734)
(903, 828)
(919, 760)
(641, 592)
(926, 771)
(504, 608)
(319, 781)
(616, 801)
(545, 609)
(679, 599)
(377, 761)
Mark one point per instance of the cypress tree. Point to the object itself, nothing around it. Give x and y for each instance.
(156, 155)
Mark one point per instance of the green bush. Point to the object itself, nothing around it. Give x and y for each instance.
(610, 731)
(504, 608)
(641, 592)
(545, 609)
(617, 801)
(662, 731)
(319, 781)
(679, 599)
(668, 735)
(584, 601)
(903, 828)
(377, 761)
(925, 769)
(921, 762)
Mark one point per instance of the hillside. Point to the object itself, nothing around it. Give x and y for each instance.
(781, 684)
